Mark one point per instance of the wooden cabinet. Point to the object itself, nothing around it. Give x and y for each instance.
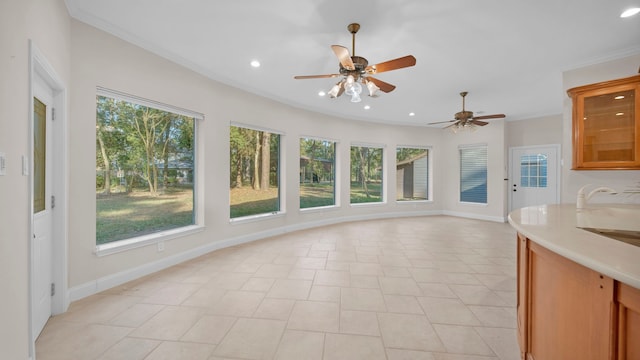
(522, 298)
(628, 318)
(568, 311)
(606, 125)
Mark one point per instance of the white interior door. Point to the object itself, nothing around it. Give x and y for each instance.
(534, 176)
(42, 174)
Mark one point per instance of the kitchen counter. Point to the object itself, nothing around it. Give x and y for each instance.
(555, 228)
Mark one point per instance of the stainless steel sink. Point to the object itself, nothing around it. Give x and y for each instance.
(628, 236)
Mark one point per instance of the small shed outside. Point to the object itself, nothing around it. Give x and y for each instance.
(412, 178)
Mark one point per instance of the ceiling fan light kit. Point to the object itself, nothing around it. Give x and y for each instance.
(356, 71)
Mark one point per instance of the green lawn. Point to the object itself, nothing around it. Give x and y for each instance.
(122, 216)
(315, 195)
(358, 195)
(245, 201)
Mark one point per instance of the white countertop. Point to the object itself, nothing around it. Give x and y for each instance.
(554, 227)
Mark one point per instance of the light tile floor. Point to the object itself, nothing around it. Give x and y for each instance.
(428, 288)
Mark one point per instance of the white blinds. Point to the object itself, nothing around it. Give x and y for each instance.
(473, 174)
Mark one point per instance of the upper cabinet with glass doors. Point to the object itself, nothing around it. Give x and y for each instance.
(606, 125)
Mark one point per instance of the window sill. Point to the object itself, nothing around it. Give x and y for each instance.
(253, 218)
(381, 203)
(145, 240)
(413, 202)
(320, 209)
(473, 204)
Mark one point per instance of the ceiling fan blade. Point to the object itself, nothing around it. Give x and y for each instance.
(484, 117)
(454, 124)
(299, 77)
(441, 122)
(384, 86)
(478, 122)
(394, 64)
(343, 55)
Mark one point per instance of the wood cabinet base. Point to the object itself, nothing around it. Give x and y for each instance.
(568, 311)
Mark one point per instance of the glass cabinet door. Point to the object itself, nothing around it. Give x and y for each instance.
(605, 125)
(609, 130)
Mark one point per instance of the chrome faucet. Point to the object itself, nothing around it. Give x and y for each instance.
(583, 197)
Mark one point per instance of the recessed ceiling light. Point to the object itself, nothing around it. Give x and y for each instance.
(619, 97)
(630, 12)
(367, 107)
(255, 63)
(412, 114)
(321, 93)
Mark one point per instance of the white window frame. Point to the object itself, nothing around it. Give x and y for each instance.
(336, 176)
(385, 173)
(429, 175)
(198, 206)
(281, 179)
(469, 147)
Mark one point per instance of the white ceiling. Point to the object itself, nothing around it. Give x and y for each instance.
(508, 54)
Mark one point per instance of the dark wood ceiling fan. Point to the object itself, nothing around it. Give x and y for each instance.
(355, 70)
(465, 118)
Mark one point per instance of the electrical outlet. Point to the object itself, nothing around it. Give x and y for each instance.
(160, 245)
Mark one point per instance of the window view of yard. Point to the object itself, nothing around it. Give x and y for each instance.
(317, 173)
(144, 170)
(412, 174)
(255, 164)
(366, 175)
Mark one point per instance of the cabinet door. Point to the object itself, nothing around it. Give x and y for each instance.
(606, 125)
(628, 300)
(522, 294)
(569, 311)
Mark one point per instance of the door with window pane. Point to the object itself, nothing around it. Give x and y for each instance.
(42, 207)
(533, 176)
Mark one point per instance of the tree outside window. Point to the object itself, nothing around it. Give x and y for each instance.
(366, 174)
(317, 173)
(255, 164)
(144, 170)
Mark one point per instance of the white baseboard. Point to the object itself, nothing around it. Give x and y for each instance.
(107, 282)
(475, 216)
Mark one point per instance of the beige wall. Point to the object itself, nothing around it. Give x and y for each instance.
(47, 24)
(449, 171)
(536, 131)
(618, 179)
(102, 60)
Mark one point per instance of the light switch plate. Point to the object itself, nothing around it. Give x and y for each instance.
(3, 164)
(25, 165)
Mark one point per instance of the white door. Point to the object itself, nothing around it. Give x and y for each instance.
(533, 176)
(42, 174)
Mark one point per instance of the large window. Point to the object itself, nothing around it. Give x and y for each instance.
(144, 167)
(255, 167)
(317, 173)
(412, 174)
(366, 174)
(473, 174)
